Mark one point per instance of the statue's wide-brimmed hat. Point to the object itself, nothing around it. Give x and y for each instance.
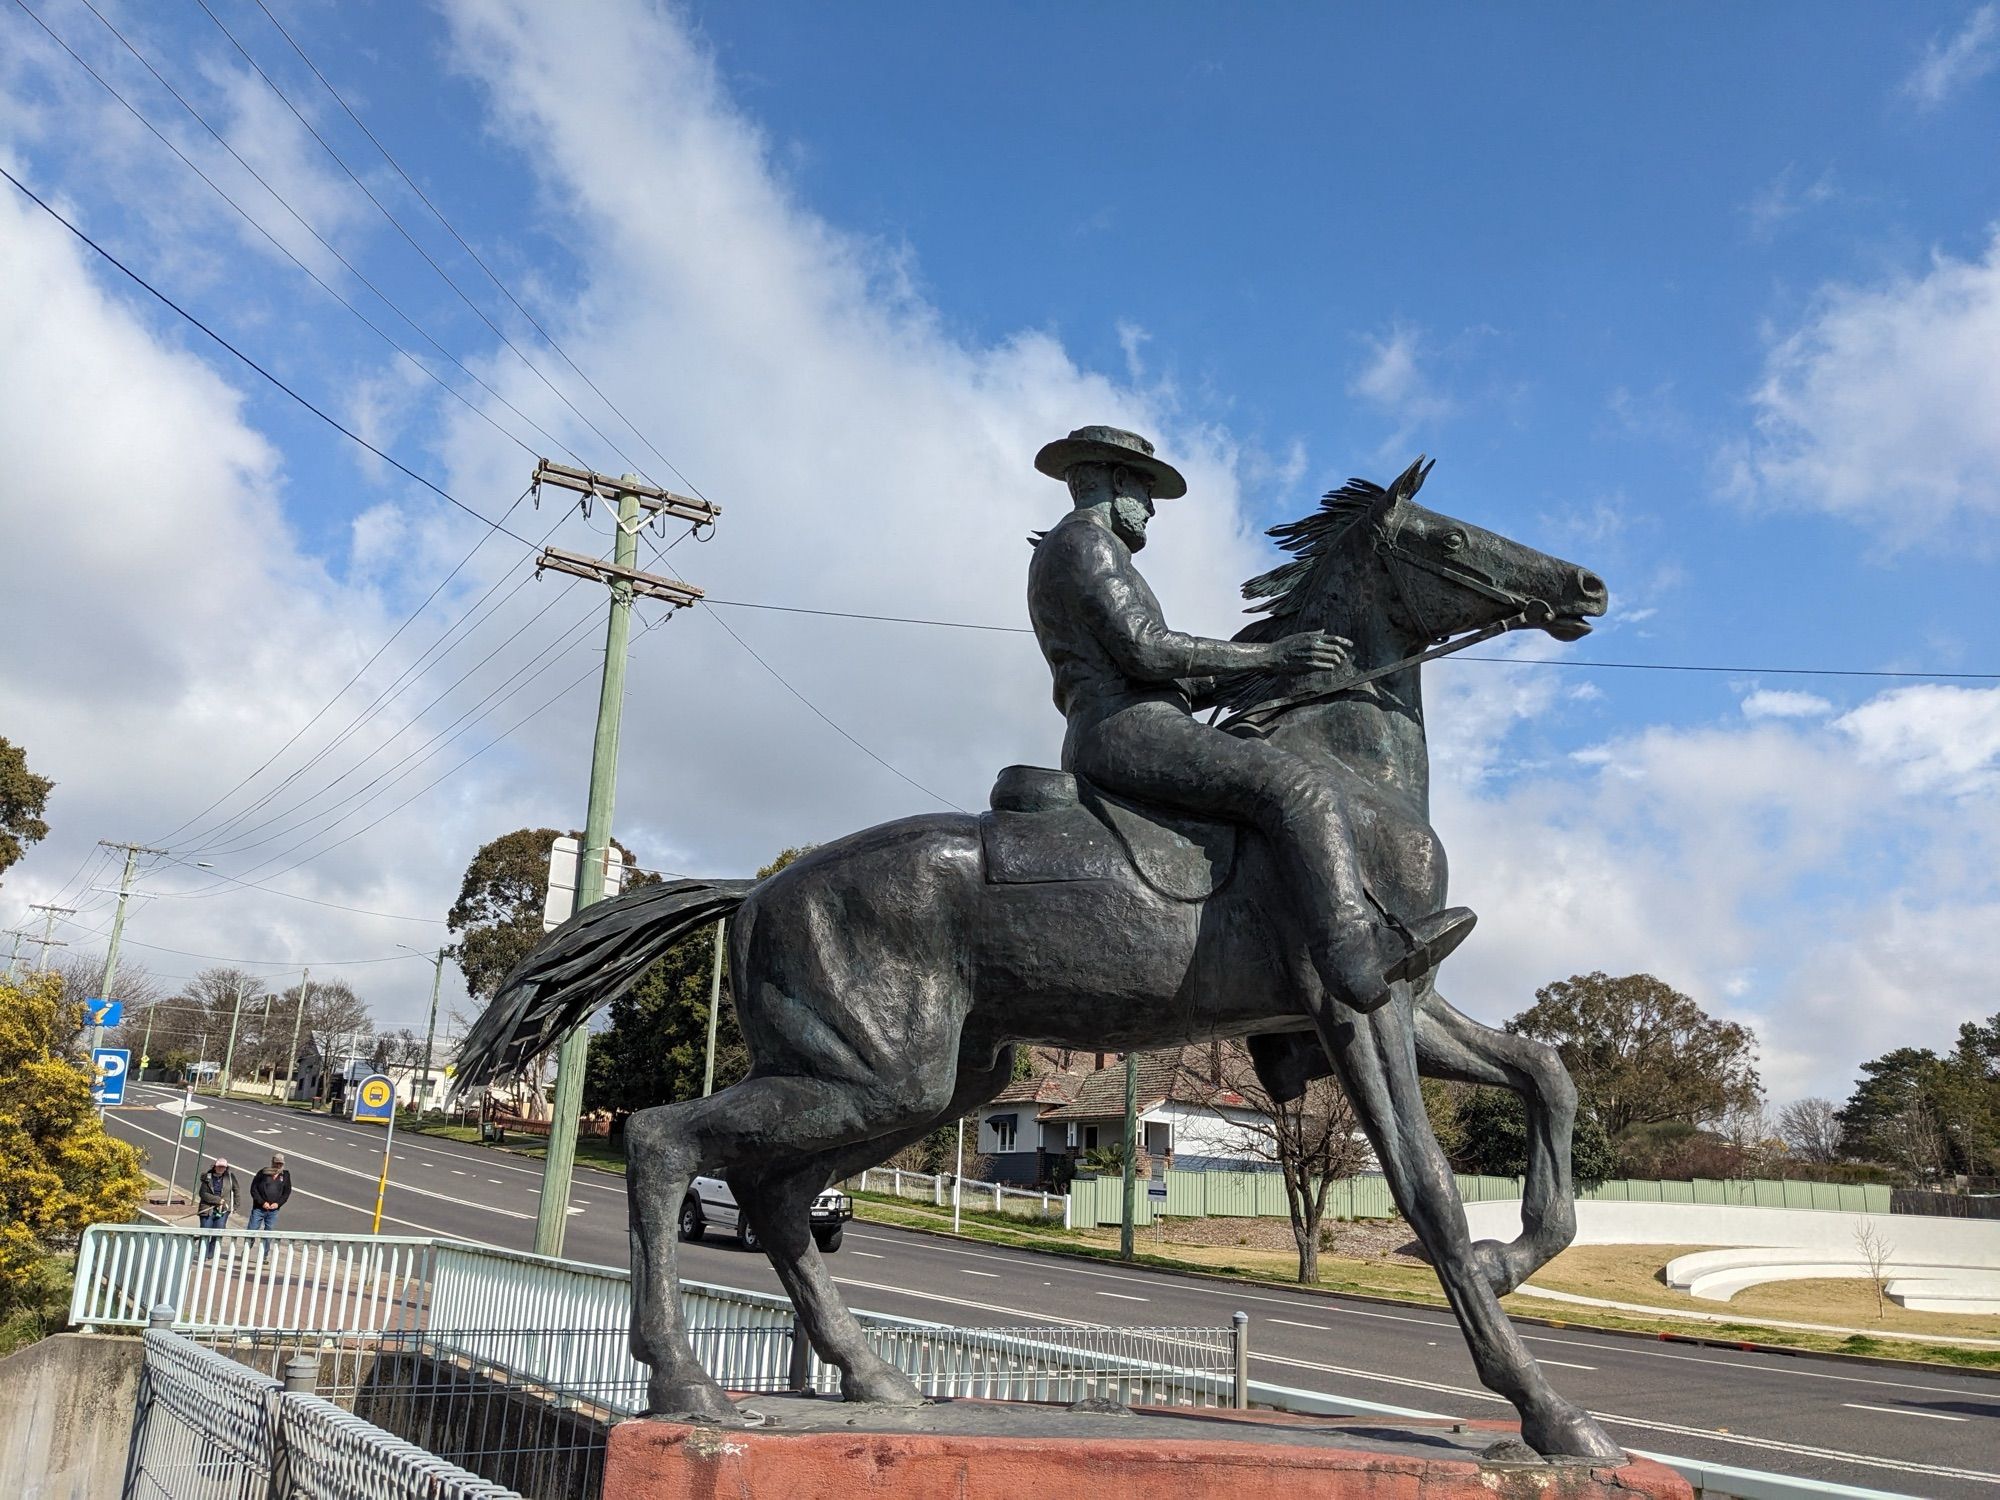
(1111, 445)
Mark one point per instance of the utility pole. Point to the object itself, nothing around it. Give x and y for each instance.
(49, 916)
(16, 934)
(132, 853)
(229, 1052)
(297, 1021)
(1131, 1155)
(637, 503)
(714, 1004)
(431, 1026)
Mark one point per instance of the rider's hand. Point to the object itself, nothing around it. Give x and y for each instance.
(1313, 651)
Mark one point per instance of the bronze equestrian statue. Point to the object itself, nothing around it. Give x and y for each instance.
(1274, 878)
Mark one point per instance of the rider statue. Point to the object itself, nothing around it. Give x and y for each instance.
(1128, 686)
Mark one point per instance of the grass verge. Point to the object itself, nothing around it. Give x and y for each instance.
(591, 1151)
(1416, 1285)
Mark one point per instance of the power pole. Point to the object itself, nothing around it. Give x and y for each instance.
(1131, 1155)
(714, 1004)
(430, 1027)
(132, 853)
(49, 916)
(298, 1020)
(229, 1052)
(637, 503)
(16, 934)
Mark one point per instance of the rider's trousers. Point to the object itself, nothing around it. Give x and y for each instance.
(1158, 752)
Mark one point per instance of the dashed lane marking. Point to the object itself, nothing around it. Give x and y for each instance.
(1315, 1327)
(1125, 1297)
(1904, 1411)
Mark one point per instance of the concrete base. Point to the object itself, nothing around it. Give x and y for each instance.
(823, 1449)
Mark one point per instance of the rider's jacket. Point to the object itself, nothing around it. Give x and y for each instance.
(1100, 626)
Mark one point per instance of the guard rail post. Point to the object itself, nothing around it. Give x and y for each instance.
(301, 1376)
(798, 1375)
(1239, 1337)
(161, 1317)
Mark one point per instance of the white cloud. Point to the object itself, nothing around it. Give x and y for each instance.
(1884, 406)
(1395, 382)
(1931, 738)
(1779, 703)
(1950, 66)
(1782, 199)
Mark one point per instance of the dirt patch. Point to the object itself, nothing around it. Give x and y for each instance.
(1388, 1240)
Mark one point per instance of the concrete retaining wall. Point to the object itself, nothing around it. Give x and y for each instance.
(1913, 1237)
(66, 1407)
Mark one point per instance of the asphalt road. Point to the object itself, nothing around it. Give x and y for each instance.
(1918, 1433)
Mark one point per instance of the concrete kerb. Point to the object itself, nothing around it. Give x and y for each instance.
(1741, 1346)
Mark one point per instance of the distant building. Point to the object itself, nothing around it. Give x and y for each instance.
(1036, 1123)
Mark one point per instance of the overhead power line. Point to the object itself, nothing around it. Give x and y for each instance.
(465, 245)
(172, 306)
(396, 223)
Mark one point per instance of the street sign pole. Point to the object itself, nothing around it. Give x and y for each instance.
(382, 1182)
(180, 1138)
(1131, 1155)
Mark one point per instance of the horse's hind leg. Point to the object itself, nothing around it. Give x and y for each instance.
(742, 1126)
(1376, 1055)
(779, 1204)
(1450, 1044)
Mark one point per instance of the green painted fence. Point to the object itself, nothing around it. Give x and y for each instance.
(1261, 1195)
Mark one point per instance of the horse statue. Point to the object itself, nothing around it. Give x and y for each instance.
(883, 980)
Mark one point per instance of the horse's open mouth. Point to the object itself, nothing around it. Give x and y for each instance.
(1568, 627)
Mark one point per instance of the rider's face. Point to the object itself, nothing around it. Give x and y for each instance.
(1131, 507)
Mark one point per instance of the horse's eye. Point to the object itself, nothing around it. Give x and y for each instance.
(1454, 541)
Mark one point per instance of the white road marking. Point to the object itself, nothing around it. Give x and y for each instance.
(1315, 1327)
(989, 1275)
(1125, 1297)
(869, 1253)
(1565, 1364)
(496, 1182)
(456, 1172)
(1904, 1411)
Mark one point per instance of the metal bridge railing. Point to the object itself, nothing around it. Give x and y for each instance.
(225, 1279)
(212, 1428)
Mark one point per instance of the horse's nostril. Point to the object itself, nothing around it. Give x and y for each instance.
(1590, 583)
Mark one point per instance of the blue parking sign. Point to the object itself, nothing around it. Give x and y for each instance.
(111, 1065)
(98, 1012)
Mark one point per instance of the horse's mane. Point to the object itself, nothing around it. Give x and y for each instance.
(1308, 539)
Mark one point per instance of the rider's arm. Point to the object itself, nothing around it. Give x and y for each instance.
(1121, 613)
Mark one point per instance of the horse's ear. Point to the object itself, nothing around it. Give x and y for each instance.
(1412, 479)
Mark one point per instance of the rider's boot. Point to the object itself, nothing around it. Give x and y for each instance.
(1432, 940)
(1366, 956)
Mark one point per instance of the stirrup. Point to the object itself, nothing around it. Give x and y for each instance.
(1432, 941)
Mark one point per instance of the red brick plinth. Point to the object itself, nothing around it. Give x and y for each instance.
(650, 1460)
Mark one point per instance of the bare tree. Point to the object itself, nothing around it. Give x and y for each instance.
(82, 976)
(1914, 1141)
(1876, 1252)
(336, 1020)
(1313, 1140)
(1812, 1131)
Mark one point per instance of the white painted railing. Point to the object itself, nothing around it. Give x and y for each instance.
(226, 1279)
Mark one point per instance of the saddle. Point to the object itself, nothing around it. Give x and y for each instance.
(1048, 826)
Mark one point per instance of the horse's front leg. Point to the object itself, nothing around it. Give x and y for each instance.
(1376, 1056)
(1450, 1044)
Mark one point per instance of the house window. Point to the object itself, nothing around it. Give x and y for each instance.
(1090, 1137)
(1159, 1138)
(1003, 1132)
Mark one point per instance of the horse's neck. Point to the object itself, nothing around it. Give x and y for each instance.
(1378, 730)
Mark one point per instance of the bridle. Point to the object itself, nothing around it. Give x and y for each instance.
(1382, 541)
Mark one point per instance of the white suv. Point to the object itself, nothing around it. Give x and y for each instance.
(711, 1205)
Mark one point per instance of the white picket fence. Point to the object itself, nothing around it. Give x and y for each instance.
(941, 1190)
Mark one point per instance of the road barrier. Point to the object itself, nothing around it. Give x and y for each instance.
(507, 1326)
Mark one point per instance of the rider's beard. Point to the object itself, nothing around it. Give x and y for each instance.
(1128, 522)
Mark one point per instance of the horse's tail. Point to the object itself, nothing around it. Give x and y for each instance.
(594, 957)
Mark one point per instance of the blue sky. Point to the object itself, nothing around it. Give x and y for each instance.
(1708, 301)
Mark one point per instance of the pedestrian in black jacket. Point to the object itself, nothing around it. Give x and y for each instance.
(268, 1191)
(216, 1196)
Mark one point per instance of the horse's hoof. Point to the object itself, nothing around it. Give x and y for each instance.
(700, 1402)
(1565, 1434)
(884, 1387)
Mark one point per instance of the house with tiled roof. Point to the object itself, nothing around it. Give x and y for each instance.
(1192, 1123)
